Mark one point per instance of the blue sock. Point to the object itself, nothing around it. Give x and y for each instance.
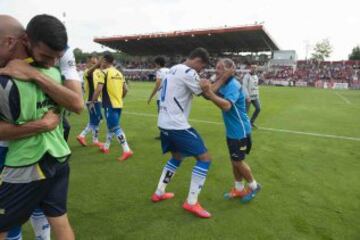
(167, 174)
(14, 234)
(198, 178)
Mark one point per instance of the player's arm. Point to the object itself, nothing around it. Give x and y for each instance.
(125, 89)
(156, 88)
(222, 103)
(68, 96)
(97, 92)
(9, 131)
(222, 80)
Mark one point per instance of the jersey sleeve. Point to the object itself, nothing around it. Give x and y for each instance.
(192, 81)
(158, 74)
(67, 66)
(99, 77)
(231, 93)
(9, 100)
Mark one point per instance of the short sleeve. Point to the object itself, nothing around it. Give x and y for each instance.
(158, 74)
(9, 100)
(192, 81)
(99, 76)
(231, 93)
(67, 66)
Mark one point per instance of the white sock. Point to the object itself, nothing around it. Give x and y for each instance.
(85, 131)
(166, 175)
(120, 135)
(253, 185)
(239, 186)
(109, 137)
(198, 178)
(95, 132)
(40, 225)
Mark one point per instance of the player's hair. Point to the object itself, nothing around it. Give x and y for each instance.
(201, 53)
(49, 30)
(160, 60)
(228, 63)
(108, 57)
(92, 56)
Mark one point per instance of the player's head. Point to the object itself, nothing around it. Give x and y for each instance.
(253, 68)
(108, 60)
(159, 62)
(11, 33)
(198, 59)
(224, 64)
(91, 61)
(46, 39)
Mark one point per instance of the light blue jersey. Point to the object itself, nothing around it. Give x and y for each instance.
(236, 120)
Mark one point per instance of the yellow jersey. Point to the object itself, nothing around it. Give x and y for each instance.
(112, 94)
(91, 82)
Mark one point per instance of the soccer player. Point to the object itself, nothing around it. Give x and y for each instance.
(177, 136)
(12, 47)
(112, 85)
(231, 100)
(251, 87)
(160, 76)
(94, 108)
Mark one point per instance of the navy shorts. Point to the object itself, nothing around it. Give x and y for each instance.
(112, 116)
(187, 142)
(18, 201)
(95, 114)
(239, 148)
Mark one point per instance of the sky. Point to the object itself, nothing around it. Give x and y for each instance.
(293, 25)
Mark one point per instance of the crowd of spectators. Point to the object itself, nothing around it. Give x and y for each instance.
(304, 71)
(312, 71)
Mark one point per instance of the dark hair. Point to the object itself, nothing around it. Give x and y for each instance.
(108, 57)
(91, 56)
(201, 53)
(49, 30)
(160, 61)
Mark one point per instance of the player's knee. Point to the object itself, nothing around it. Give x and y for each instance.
(176, 156)
(2, 235)
(205, 157)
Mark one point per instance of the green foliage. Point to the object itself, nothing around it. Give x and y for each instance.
(355, 54)
(322, 50)
(81, 56)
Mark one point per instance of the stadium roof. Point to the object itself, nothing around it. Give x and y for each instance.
(252, 38)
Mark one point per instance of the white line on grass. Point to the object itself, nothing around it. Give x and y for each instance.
(343, 98)
(261, 128)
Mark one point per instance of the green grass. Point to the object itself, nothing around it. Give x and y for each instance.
(311, 185)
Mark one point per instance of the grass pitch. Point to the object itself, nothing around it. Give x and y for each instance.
(311, 183)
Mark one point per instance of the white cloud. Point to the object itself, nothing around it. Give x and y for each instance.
(291, 23)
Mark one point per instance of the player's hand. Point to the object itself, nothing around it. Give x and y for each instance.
(19, 69)
(149, 100)
(248, 100)
(50, 120)
(205, 86)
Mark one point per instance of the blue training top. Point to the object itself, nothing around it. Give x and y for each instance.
(236, 120)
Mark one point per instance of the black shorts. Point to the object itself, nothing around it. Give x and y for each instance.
(18, 201)
(239, 148)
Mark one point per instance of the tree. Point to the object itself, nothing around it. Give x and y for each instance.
(355, 54)
(81, 56)
(322, 50)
